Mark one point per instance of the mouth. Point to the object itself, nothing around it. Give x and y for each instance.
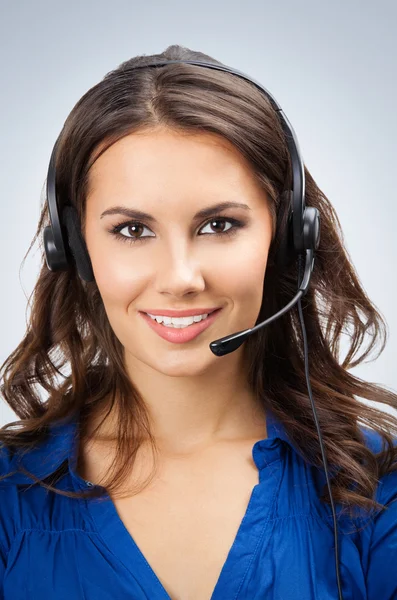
(186, 334)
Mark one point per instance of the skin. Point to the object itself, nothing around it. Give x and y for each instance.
(195, 399)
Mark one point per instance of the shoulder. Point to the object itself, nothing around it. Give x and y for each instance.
(40, 459)
(385, 492)
(23, 503)
(8, 498)
(387, 485)
(377, 538)
(373, 439)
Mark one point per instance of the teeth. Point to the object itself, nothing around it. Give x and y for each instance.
(178, 322)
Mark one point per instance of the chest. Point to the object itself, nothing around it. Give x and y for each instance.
(186, 520)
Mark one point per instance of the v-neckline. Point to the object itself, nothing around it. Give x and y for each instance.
(110, 527)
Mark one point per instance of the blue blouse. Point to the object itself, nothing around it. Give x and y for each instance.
(54, 547)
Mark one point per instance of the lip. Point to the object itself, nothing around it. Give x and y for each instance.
(181, 313)
(180, 336)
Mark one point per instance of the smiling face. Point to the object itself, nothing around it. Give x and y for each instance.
(177, 259)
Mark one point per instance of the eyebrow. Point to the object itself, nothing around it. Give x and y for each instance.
(201, 214)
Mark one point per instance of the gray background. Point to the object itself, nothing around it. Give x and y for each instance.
(331, 66)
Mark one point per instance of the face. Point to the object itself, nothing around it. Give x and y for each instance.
(177, 259)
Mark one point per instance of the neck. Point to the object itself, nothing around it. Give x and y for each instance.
(188, 415)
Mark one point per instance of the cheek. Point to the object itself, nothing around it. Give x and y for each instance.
(241, 270)
(118, 277)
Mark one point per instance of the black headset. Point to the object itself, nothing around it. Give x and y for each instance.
(63, 239)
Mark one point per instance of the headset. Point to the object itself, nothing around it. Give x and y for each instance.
(63, 242)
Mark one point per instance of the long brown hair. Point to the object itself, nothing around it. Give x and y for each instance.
(72, 330)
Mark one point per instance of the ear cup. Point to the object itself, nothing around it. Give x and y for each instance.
(76, 243)
(56, 259)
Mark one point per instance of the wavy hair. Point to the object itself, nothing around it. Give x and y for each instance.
(72, 330)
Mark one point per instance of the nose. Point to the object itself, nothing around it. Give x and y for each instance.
(180, 273)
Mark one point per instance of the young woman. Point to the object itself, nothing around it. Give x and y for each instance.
(153, 469)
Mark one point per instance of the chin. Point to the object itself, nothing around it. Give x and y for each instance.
(183, 368)
(184, 363)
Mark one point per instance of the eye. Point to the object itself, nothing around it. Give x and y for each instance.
(137, 227)
(218, 220)
(133, 226)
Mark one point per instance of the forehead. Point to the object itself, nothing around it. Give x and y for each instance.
(145, 157)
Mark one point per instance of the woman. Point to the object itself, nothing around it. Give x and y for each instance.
(155, 469)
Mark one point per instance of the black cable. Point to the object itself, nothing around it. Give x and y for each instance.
(323, 452)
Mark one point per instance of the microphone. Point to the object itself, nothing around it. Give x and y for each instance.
(231, 342)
